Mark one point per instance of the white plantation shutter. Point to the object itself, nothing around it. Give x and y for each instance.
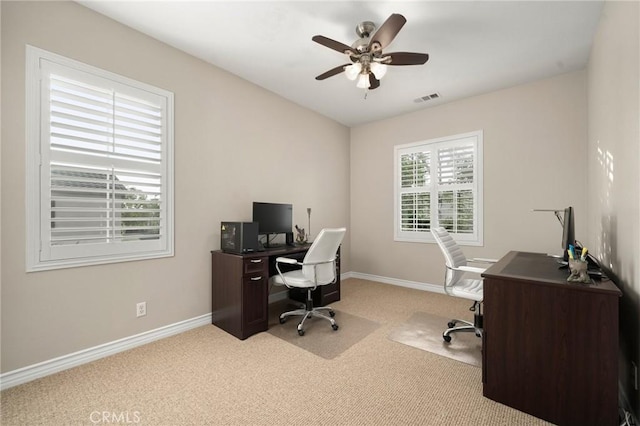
(438, 183)
(103, 155)
(415, 198)
(456, 175)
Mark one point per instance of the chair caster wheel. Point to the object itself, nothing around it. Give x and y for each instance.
(446, 338)
(283, 320)
(334, 326)
(451, 324)
(332, 314)
(301, 332)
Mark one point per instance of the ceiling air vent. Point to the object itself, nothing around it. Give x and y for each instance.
(435, 95)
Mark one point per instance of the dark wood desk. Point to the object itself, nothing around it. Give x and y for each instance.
(240, 288)
(550, 347)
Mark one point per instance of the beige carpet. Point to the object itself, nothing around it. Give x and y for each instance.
(205, 376)
(319, 338)
(424, 331)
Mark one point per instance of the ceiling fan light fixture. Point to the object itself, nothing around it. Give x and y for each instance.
(363, 81)
(378, 70)
(352, 71)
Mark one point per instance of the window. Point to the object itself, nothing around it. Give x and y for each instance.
(99, 165)
(439, 183)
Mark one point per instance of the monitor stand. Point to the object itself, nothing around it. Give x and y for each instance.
(271, 246)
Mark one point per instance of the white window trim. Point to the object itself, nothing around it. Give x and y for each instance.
(34, 262)
(426, 237)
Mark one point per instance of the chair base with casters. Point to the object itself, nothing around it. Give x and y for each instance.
(475, 327)
(308, 312)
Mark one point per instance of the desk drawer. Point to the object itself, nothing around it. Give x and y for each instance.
(255, 265)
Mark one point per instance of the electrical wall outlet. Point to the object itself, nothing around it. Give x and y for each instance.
(141, 309)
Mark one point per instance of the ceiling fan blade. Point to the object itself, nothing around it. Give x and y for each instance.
(332, 72)
(387, 32)
(406, 58)
(374, 83)
(335, 45)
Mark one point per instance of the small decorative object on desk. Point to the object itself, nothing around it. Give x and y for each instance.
(578, 270)
(301, 237)
(309, 227)
(578, 266)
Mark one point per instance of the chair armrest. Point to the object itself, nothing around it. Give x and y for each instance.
(317, 263)
(482, 260)
(469, 269)
(287, 260)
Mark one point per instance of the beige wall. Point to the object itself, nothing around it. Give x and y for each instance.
(534, 157)
(234, 143)
(614, 161)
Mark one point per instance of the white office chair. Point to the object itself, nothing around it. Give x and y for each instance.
(457, 286)
(317, 268)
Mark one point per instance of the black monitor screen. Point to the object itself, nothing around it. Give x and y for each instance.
(273, 218)
(568, 231)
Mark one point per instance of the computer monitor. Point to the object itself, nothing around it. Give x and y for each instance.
(273, 218)
(568, 232)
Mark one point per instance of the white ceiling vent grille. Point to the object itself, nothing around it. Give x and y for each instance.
(425, 98)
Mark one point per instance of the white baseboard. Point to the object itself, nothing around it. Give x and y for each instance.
(35, 371)
(45, 368)
(435, 288)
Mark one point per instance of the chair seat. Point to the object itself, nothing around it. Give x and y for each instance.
(294, 279)
(467, 289)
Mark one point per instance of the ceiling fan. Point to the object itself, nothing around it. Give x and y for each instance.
(368, 63)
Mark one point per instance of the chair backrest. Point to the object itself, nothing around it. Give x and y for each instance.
(452, 254)
(324, 248)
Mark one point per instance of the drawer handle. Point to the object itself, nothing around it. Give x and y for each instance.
(256, 278)
(256, 260)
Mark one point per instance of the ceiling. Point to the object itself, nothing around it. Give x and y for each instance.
(474, 47)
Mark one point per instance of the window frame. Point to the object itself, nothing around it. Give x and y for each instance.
(40, 256)
(431, 146)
